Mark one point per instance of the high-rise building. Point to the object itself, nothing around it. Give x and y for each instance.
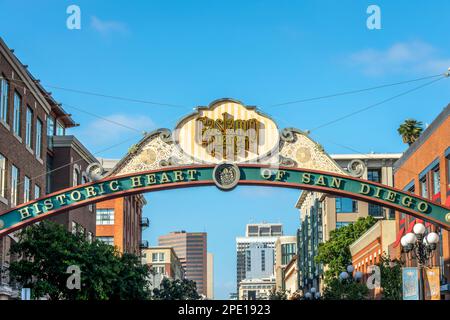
(285, 251)
(255, 252)
(191, 248)
(119, 220)
(210, 272)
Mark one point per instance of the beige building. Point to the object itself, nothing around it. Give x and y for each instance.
(164, 261)
(210, 276)
(285, 250)
(367, 250)
(290, 277)
(256, 289)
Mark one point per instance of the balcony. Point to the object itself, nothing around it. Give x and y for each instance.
(144, 244)
(145, 222)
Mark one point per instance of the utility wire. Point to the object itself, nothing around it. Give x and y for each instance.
(375, 104)
(354, 91)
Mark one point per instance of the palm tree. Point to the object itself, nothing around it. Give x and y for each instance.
(410, 130)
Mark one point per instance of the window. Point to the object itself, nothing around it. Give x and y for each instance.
(263, 260)
(28, 127)
(107, 240)
(59, 129)
(161, 256)
(346, 205)
(105, 216)
(16, 119)
(2, 175)
(341, 224)
(4, 89)
(374, 175)
(158, 257)
(423, 187)
(436, 180)
(37, 191)
(38, 138)
(248, 260)
(26, 189)
(50, 126)
(76, 177)
(14, 184)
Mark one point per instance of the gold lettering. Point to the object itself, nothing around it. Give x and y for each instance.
(90, 192)
(61, 199)
(391, 196)
(280, 175)
(102, 190)
(151, 178)
(116, 185)
(422, 206)
(365, 188)
(36, 208)
(75, 195)
(266, 173)
(48, 204)
(164, 178)
(336, 183)
(24, 213)
(407, 201)
(377, 193)
(191, 174)
(321, 181)
(178, 176)
(306, 178)
(136, 182)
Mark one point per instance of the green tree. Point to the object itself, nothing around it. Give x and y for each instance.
(410, 130)
(278, 294)
(391, 278)
(347, 289)
(335, 252)
(46, 250)
(176, 290)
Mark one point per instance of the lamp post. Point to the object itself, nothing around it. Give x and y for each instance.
(420, 246)
(312, 294)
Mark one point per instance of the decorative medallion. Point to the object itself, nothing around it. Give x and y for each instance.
(95, 171)
(303, 155)
(356, 168)
(148, 156)
(226, 176)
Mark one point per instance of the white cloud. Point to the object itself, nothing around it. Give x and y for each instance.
(401, 57)
(105, 133)
(106, 27)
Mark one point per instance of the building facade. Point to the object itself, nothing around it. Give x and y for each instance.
(191, 248)
(119, 221)
(210, 273)
(164, 261)
(256, 289)
(285, 251)
(320, 213)
(32, 125)
(368, 249)
(424, 169)
(258, 238)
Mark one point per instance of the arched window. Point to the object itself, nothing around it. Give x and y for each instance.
(76, 177)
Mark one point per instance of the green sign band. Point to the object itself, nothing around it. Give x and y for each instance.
(120, 186)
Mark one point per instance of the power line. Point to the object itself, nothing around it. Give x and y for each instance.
(354, 91)
(375, 105)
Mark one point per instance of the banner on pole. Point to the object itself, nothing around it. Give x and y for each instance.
(432, 284)
(410, 277)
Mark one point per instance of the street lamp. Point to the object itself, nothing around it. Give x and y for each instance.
(312, 294)
(344, 275)
(420, 246)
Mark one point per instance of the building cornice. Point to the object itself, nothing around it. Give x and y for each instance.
(74, 143)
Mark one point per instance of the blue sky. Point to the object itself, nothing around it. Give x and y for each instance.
(189, 53)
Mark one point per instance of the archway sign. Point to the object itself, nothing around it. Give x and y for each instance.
(224, 144)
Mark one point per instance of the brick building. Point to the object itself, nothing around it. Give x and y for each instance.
(32, 129)
(424, 170)
(120, 221)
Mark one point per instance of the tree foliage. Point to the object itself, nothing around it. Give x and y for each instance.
(410, 130)
(46, 250)
(176, 290)
(335, 252)
(345, 290)
(278, 294)
(391, 278)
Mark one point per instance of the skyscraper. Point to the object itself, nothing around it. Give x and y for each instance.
(255, 252)
(190, 247)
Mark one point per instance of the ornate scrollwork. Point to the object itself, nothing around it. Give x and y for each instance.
(95, 171)
(171, 161)
(356, 168)
(287, 162)
(165, 135)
